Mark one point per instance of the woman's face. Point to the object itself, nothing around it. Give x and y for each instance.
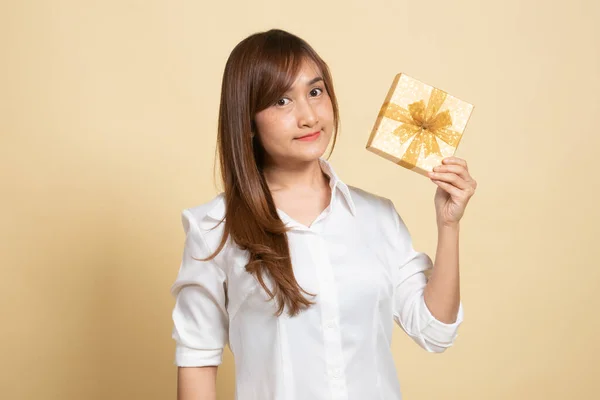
(305, 109)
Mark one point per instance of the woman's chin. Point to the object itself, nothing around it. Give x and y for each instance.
(310, 153)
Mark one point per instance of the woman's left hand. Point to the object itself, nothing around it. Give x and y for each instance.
(455, 188)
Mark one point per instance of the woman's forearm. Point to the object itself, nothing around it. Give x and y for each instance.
(442, 292)
(197, 383)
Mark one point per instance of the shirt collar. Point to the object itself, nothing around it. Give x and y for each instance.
(335, 181)
(217, 210)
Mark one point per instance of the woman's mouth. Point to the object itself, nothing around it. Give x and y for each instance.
(309, 137)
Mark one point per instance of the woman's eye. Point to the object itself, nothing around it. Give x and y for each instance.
(316, 89)
(314, 92)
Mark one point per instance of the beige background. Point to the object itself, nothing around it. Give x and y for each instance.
(108, 118)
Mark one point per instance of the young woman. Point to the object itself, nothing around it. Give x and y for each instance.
(300, 274)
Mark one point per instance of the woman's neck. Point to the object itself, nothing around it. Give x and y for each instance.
(295, 177)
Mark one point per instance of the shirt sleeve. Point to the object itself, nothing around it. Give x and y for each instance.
(410, 310)
(200, 320)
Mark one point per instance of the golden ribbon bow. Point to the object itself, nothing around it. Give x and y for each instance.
(423, 122)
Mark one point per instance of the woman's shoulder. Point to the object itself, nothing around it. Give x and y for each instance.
(212, 209)
(206, 217)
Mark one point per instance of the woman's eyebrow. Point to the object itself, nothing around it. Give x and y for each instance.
(311, 82)
(314, 80)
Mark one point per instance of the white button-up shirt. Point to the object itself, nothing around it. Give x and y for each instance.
(357, 256)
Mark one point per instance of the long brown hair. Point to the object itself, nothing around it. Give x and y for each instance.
(259, 70)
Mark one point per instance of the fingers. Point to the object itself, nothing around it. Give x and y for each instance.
(454, 171)
(452, 190)
(453, 168)
(455, 160)
(453, 178)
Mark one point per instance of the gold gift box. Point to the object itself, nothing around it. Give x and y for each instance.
(418, 125)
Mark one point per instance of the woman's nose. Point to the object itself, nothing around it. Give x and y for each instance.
(306, 114)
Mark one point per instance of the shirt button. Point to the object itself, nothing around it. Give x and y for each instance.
(330, 324)
(337, 373)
